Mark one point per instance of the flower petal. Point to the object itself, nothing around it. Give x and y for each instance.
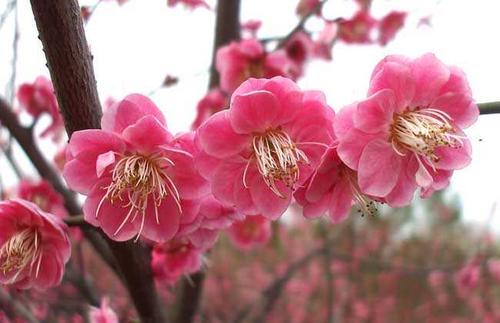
(128, 111)
(253, 112)
(379, 168)
(217, 138)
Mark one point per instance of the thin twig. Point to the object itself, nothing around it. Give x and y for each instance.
(15, 45)
(8, 9)
(7, 151)
(489, 107)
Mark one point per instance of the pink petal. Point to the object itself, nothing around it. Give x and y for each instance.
(146, 134)
(111, 215)
(269, 204)
(397, 77)
(461, 108)
(457, 83)
(253, 112)
(95, 141)
(379, 168)
(217, 137)
(341, 201)
(80, 176)
(403, 192)
(103, 161)
(318, 208)
(344, 120)
(375, 113)
(288, 95)
(128, 111)
(169, 218)
(454, 158)
(430, 75)
(223, 184)
(351, 146)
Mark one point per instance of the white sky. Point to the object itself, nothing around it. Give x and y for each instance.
(136, 45)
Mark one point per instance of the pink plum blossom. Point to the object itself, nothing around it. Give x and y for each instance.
(135, 179)
(210, 215)
(214, 101)
(175, 258)
(257, 153)
(299, 48)
(254, 230)
(34, 246)
(332, 189)
(323, 44)
(357, 29)
(38, 98)
(242, 60)
(408, 132)
(103, 314)
(390, 25)
(43, 195)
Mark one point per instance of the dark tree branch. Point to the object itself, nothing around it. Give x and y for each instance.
(69, 61)
(227, 29)
(489, 107)
(188, 297)
(70, 64)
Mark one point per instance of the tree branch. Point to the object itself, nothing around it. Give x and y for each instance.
(489, 107)
(227, 29)
(70, 64)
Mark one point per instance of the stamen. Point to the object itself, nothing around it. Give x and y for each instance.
(422, 131)
(365, 204)
(21, 250)
(139, 178)
(277, 159)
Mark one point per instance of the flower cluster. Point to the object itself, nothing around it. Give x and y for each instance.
(38, 98)
(274, 144)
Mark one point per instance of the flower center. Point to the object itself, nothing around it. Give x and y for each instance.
(277, 159)
(139, 178)
(254, 68)
(365, 205)
(422, 131)
(41, 201)
(21, 250)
